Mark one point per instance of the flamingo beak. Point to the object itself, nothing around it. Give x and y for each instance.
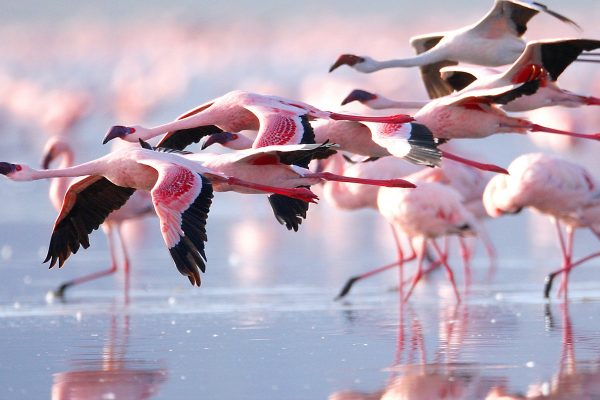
(7, 168)
(359, 95)
(220, 137)
(346, 59)
(117, 131)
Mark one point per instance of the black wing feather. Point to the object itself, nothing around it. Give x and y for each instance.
(558, 56)
(182, 138)
(92, 205)
(189, 254)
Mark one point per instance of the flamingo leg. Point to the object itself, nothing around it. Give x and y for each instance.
(126, 264)
(400, 254)
(489, 249)
(466, 255)
(328, 176)
(449, 272)
(299, 193)
(474, 164)
(391, 119)
(552, 275)
(420, 254)
(539, 128)
(352, 280)
(60, 292)
(568, 251)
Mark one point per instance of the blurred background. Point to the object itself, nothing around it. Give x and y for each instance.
(76, 68)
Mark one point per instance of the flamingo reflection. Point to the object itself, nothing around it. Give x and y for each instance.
(111, 375)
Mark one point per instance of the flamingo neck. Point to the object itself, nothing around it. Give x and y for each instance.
(85, 169)
(428, 57)
(59, 186)
(382, 103)
(202, 118)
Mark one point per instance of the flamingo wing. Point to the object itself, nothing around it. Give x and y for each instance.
(501, 95)
(461, 76)
(86, 205)
(284, 154)
(280, 127)
(411, 141)
(182, 199)
(430, 73)
(179, 140)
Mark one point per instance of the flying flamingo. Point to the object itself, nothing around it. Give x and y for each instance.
(472, 114)
(181, 193)
(563, 190)
(278, 121)
(551, 57)
(494, 40)
(138, 205)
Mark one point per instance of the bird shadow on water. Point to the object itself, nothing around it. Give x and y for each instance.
(103, 369)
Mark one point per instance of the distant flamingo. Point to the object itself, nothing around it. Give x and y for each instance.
(138, 205)
(424, 214)
(278, 121)
(551, 57)
(563, 190)
(472, 114)
(181, 192)
(466, 181)
(492, 41)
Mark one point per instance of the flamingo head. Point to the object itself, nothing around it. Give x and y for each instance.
(16, 172)
(223, 138)
(359, 95)
(123, 132)
(346, 59)
(498, 199)
(55, 147)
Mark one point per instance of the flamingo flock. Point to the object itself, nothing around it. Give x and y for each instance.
(405, 166)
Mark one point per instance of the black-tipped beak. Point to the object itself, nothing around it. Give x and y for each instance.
(7, 168)
(219, 137)
(346, 59)
(116, 131)
(359, 95)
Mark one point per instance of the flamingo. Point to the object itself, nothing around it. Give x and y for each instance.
(473, 114)
(181, 192)
(493, 41)
(563, 190)
(138, 205)
(424, 214)
(551, 57)
(468, 182)
(278, 121)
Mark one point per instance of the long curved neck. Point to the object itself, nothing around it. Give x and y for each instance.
(428, 57)
(95, 167)
(59, 186)
(383, 103)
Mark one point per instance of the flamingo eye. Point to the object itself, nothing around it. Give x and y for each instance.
(18, 167)
(234, 136)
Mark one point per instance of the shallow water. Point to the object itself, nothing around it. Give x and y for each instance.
(264, 324)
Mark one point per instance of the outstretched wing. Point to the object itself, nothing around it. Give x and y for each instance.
(179, 140)
(411, 141)
(501, 95)
(86, 205)
(284, 154)
(280, 127)
(430, 73)
(182, 199)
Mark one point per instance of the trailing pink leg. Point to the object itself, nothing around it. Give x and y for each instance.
(296, 193)
(539, 128)
(466, 255)
(569, 254)
(389, 119)
(474, 164)
(449, 272)
(125, 265)
(328, 176)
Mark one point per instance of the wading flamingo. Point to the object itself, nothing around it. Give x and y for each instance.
(138, 205)
(493, 41)
(565, 191)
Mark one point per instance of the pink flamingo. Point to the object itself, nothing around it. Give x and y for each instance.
(551, 57)
(424, 214)
(492, 41)
(472, 114)
(563, 190)
(138, 205)
(181, 193)
(278, 121)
